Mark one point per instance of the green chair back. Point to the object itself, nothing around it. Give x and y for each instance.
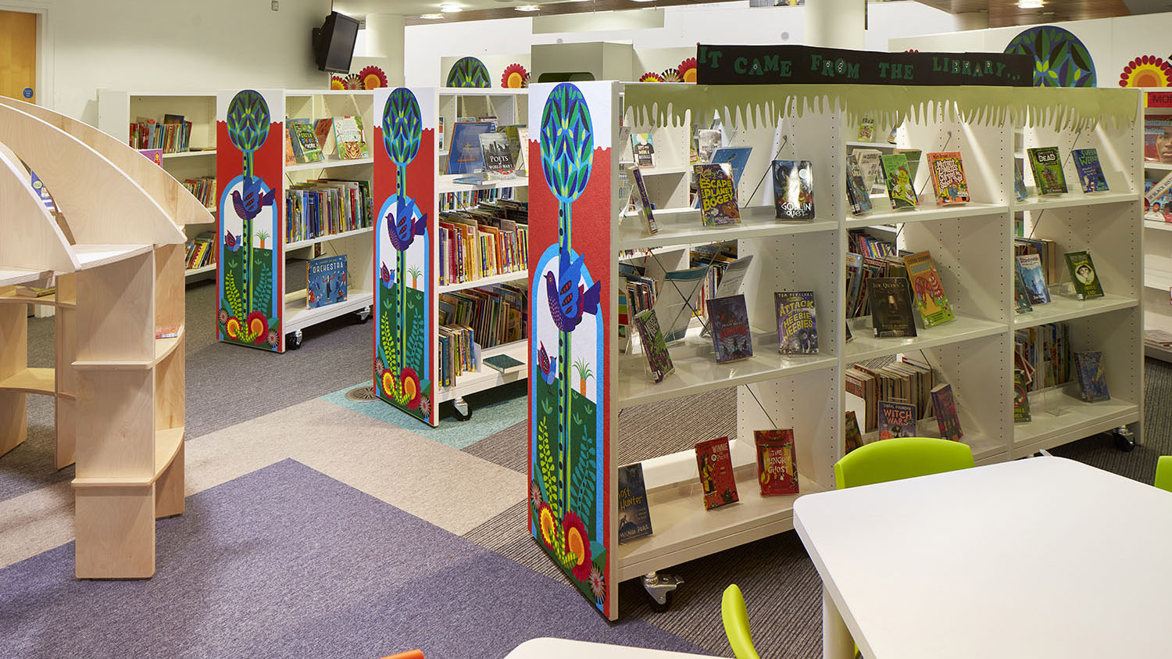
(736, 623)
(1164, 473)
(900, 457)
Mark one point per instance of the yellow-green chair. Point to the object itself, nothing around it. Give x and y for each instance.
(900, 457)
(736, 623)
(1164, 473)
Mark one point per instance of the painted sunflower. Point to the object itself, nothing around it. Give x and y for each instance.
(1146, 71)
(258, 326)
(546, 524)
(651, 76)
(410, 388)
(515, 77)
(232, 328)
(578, 544)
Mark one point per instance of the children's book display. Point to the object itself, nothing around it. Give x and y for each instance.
(731, 338)
(871, 166)
(464, 155)
(944, 405)
(304, 139)
(896, 419)
(326, 281)
(1158, 197)
(797, 324)
(948, 181)
(913, 161)
(1021, 296)
(717, 195)
(1090, 171)
(714, 462)
(1043, 353)
(1021, 398)
(1083, 276)
(654, 347)
(866, 129)
(777, 471)
(643, 150)
(1092, 381)
(929, 293)
(497, 155)
(857, 191)
(898, 179)
(891, 307)
(1030, 268)
(1047, 168)
(793, 189)
(634, 514)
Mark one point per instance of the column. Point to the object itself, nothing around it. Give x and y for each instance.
(384, 40)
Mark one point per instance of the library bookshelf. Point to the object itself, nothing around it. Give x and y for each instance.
(1157, 241)
(577, 238)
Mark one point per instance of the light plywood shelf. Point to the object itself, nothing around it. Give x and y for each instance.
(520, 275)
(163, 349)
(47, 300)
(489, 378)
(31, 381)
(865, 346)
(14, 276)
(168, 442)
(1068, 307)
(93, 256)
(1059, 416)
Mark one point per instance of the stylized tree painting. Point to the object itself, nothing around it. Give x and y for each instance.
(468, 72)
(1060, 59)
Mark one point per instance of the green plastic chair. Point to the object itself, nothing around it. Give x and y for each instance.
(900, 457)
(1164, 473)
(736, 623)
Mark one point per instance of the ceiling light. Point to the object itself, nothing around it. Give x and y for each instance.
(432, 17)
(1029, 4)
(527, 8)
(450, 8)
(642, 0)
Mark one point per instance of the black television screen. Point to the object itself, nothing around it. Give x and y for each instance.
(333, 43)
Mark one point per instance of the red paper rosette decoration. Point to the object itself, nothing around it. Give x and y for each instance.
(1146, 71)
(912, 50)
(372, 77)
(515, 77)
(687, 70)
(337, 82)
(353, 81)
(651, 76)
(672, 75)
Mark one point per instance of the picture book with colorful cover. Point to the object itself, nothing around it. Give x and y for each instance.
(857, 191)
(717, 194)
(1158, 138)
(350, 140)
(896, 419)
(797, 325)
(891, 307)
(497, 155)
(1020, 191)
(643, 150)
(866, 129)
(714, 462)
(947, 173)
(654, 347)
(929, 293)
(464, 155)
(731, 337)
(1047, 168)
(737, 158)
(1090, 171)
(504, 364)
(793, 189)
(777, 470)
(1030, 267)
(326, 281)
(1021, 297)
(1092, 381)
(643, 203)
(853, 439)
(1021, 397)
(290, 157)
(898, 179)
(944, 406)
(634, 514)
(1083, 275)
(1158, 196)
(305, 146)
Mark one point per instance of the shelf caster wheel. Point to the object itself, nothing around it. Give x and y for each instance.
(460, 406)
(362, 315)
(293, 340)
(1124, 439)
(660, 588)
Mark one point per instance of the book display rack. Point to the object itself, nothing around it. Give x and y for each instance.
(1157, 229)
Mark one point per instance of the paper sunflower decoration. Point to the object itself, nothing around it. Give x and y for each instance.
(1146, 71)
(353, 81)
(651, 76)
(372, 77)
(687, 70)
(671, 75)
(515, 77)
(337, 82)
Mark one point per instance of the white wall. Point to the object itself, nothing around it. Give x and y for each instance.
(721, 23)
(171, 45)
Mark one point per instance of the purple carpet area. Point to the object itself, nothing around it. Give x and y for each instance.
(287, 562)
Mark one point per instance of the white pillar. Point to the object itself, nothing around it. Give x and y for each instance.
(836, 23)
(384, 40)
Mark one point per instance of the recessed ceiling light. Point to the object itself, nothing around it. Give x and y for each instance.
(527, 8)
(1029, 4)
(642, 0)
(432, 17)
(450, 8)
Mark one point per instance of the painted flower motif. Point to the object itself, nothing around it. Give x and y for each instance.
(232, 327)
(425, 406)
(222, 316)
(1146, 71)
(258, 326)
(597, 584)
(534, 494)
(546, 524)
(578, 544)
(378, 368)
(388, 382)
(411, 390)
(514, 77)
(274, 338)
(651, 76)
(687, 70)
(672, 75)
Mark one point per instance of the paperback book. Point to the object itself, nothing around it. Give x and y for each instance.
(896, 419)
(797, 325)
(1030, 267)
(777, 471)
(793, 189)
(871, 165)
(857, 190)
(326, 281)
(348, 135)
(1090, 171)
(853, 439)
(717, 480)
(707, 142)
(737, 157)
(1047, 168)
(1158, 138)
(1021, 297)
(323, 129)
(643, 150)
(643, 203)
(1083, 276)
(1020, 191)
(731, 337)
(1092, 381)
(947, 173)
(654, 347)
(717, 195)
(464, 155)
(944, 406)
(1021, 397)
(305, 146)
(504, 364)
(898, 179)
(634, 514)
(497, 155)
(891, 307)
(866, 129)
(929, 293)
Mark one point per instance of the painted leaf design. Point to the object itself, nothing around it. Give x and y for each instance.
(567, 142)
(402, 126)
(248, 120)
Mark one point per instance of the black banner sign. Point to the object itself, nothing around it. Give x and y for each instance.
(771, 65)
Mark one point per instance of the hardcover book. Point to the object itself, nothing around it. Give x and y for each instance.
(497, 155)
(1092, 381)
(717, 195)
(654, 347)
(896, 419)
(898, 179)
(730, 328)
(797, 325)
(1083, 276)
(1090, 171)
(643, 150)
(777, 471)
(1047, 168)
(853, 438)
(929, 293)
(305, 146)
(891, 307)
(1021, 297)
(857, 190)
(947, 419)
(464, 156)
(1030, 267)
(1020, 191)
(348, 135)
(643, 203)
(793, 189)
(634, 514)
(1021, 397)
(947, 173)
(504, 364)
(714, 462)
(326, 281)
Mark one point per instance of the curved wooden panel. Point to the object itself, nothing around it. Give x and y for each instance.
(32, 239)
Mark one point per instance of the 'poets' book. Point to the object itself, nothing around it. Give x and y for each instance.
(1090, 171)
(717, 194)
(497, 155)
(947, 419)
(634, 514)
(326, 281)
(1092, 381)
(891, 307)
(1047, 167)
(654, 346)
(947, 173)
(897, 177)
(1030, 267)
(1083, 276)
(793, 189)
(777, 471)
(731, 337)
(717, 480)
(929, 293)
(797, 324)
(896, 419)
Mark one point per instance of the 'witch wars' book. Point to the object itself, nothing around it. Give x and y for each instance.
(717, 480)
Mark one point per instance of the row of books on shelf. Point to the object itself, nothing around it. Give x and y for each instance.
(201, 250)
(905, 380)
(491, 239)
(325, 207)
(888, 287)
(172, 134)
(315, 140)
(459, 353)
(496, 314)
(203, 189)
(1092, 384)
(462, 199)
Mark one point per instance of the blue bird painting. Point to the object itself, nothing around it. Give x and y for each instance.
(386, 277)
(400, 227)
(549, 371)
(568, 302)
(254, 199)
(231, 242)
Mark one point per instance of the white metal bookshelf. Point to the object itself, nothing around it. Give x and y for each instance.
(1157, 257)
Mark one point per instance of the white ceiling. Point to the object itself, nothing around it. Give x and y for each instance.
(416, 7)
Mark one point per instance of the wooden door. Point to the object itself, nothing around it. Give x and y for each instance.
(18, 55)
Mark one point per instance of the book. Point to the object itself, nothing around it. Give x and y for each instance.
(634, 514)
(1030, 267)
(717, 195)
(643, 203)
(643, 150)
(947, 173)
(777, 471)
(929, 293)
(797, 325)
(714, 463)
(518, 139)
(1020, 191)
(866, 129)
(654, 347)
(1158, 138)
(497, 155)
(1158, 198)
(1092, 381)
(290, 157)
(944, 405)
(898, 179)
(1090, 171)
(1047, 168)
(707, 142)
(857, 191)
(464, 156)
(734, 274)
(1021, 397)
(731, 338)
(891, 307)
(896, 419)
(737, 158)
(913, 161)
(871, 165)
(1021, 297)
(326, 281)
(323, 130)
(793, 189)
(1083, 276)
(167, 332)
(504, 363)
(351, 143)
(852, 439)
(305, 146)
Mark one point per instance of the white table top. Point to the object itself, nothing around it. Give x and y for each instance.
(560, 648)
(1036, 558)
